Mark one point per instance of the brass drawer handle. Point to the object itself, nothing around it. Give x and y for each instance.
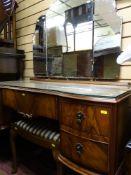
(25, 114)
(23, 94)
(79, 148)
(80, 117)
(28, 115)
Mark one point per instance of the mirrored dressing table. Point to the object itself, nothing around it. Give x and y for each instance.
(93, 120)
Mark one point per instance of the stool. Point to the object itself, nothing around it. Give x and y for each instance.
(38, 131)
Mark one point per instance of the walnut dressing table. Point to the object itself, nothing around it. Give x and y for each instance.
(93, 120)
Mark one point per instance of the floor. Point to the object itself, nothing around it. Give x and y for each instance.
(31, 159)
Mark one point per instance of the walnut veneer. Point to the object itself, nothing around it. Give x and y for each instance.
(31, 103)
(93, 121)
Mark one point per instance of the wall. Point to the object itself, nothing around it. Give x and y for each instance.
(124, 9)
(28, 12)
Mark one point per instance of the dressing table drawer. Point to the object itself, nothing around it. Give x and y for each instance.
(86, 117)
(30, 103)
(87, 153)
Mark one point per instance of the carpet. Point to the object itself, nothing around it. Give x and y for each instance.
(2, 172)
(5, 169)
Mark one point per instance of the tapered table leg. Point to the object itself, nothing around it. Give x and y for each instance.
(13, 150)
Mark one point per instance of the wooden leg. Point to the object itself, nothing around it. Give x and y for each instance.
(60, 167)
(13, 149)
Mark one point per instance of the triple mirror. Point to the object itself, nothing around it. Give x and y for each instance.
(78, 39)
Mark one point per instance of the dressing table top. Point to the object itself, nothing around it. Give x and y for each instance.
(106, 92)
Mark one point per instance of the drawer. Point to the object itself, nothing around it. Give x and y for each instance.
(32, 103)
(92, 118)
(87, 153)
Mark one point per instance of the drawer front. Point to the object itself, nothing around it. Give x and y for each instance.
(30, 103)
(9, 98)
(89, 154)
(45, 105)
(91, 118)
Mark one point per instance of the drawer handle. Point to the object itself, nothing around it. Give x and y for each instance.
(25, 115)
(23, 94)
(80, 117)
(79, 148)
(28, 115)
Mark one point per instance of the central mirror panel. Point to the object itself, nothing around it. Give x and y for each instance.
(77, 40)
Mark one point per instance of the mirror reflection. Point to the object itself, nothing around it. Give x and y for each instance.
(107, 26)
(78, 39)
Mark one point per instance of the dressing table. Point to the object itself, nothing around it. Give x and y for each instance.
(93, 119)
